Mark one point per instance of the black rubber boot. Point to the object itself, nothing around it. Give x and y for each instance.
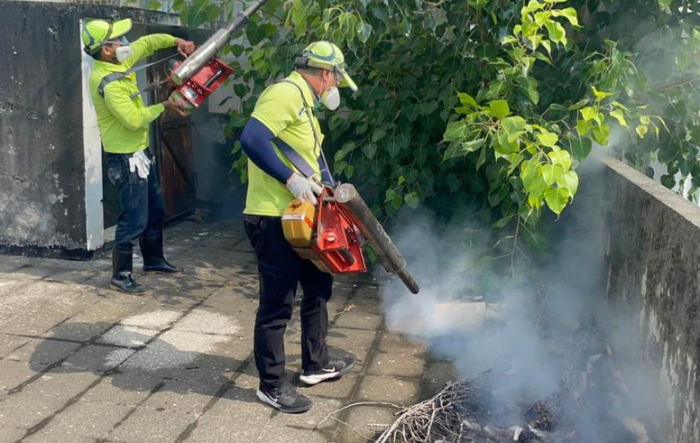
(122, 263)
(153, 260)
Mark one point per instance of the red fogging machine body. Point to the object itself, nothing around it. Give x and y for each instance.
(199, 87)
(325, 234)
(332, 234)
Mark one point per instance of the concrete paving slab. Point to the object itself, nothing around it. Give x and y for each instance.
(124, 388)
(43, 351)
(97, 358)
(360, 320)
(176, 364)
(59, 383)
(187, 396)
(45, 437)
(389, 389)
(364, 423)
(238, 428)
(151, 426)
(25, 413)
(9, 343)
(391, 342)
(11, 434)
(13, 373)
(83, 419)
(400, 364)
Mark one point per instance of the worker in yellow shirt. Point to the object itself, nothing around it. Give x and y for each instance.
(123, 120)
(283, 142)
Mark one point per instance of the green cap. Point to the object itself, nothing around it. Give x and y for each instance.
(326, 55)
(96, 32)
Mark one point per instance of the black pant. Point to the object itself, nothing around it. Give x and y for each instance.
(141, 202)
(280, 271)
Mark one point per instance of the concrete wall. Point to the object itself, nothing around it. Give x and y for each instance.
(653, 255)
(50, 162)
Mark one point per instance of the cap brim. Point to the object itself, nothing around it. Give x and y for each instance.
(120, 28)
(347, 82)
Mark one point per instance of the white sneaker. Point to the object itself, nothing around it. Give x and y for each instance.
(333, 370)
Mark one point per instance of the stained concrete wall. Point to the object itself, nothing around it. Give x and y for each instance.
(653, 257)
(42, 161)
(50, 167)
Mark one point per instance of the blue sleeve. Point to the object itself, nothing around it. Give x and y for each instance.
(325, 173)
(256, 141)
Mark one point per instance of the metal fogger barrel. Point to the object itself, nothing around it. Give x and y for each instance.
(208, 50)
(374, 233)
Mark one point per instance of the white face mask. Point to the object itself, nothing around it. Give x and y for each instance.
(123, 52)
(331, 98)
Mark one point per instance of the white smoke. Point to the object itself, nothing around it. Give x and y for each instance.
(481, 314)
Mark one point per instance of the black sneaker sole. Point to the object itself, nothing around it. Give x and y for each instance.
(320, 378)
(287, 410)
(118, 289)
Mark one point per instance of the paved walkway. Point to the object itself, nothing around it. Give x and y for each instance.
(81, 363)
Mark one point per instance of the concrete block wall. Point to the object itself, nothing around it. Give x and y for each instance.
(50, 164)
(653, 263)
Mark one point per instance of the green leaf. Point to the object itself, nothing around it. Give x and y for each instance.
(561, 158)
(378, 135)
(460, 149)
(583, 127)
(581, 148)
(467, 100)
(529, 171)
(349, 171)
(456, 131)
(589, 113)
(390, 195)
(532, 6)
(514, 125)
(557, 199)
(600, 96)
(556, 31)
(499, 109)
(363, 31)
(601, 134)
(393, 148)
(369, 150)
(568, 13)
(668, 181)
(547, 138)
(642, 130)
(155, 5)
(551, 173)
(569, 181)
(240, 90)
(578, 105)
(548, 46)
(620, 117)
(412, 200)
(453, 183)
(665, 3)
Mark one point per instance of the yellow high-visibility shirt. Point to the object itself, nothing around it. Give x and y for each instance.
(123, 121)
(281, 109)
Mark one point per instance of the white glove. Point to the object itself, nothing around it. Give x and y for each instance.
(304, 189)
(140, 163)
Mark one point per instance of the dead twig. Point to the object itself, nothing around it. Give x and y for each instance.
(363, 403)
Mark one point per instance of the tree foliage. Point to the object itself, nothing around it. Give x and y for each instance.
(487, 104)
